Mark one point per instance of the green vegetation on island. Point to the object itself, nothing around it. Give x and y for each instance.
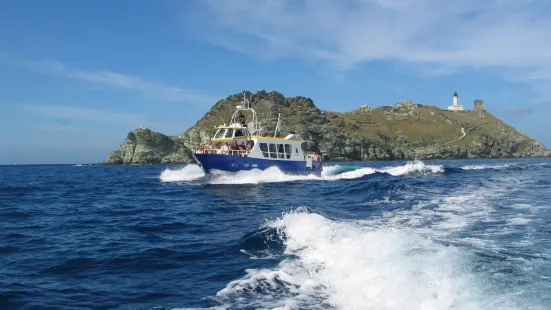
(403, 131)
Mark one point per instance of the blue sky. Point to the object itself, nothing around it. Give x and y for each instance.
(76, 76)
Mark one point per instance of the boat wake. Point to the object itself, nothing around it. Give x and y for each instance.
(334, 264)
(424, 257)
(194, 174)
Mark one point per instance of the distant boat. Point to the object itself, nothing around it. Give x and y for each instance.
(235, 147)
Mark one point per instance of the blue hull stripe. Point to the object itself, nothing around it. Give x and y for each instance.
(238, 163)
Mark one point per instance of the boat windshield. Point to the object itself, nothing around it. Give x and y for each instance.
(219, 134)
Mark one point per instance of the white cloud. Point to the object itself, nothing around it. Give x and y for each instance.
(433, 36)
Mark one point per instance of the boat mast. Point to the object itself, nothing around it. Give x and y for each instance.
(278, 125)
(245, 100)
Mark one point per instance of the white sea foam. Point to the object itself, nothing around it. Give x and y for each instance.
(482, 167)
(332, 170)
(347, 265)
(519, 221)
(273, 174)
(270, 175)
(187, 173)
(414, 167)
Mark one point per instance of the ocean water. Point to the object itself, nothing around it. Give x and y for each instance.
(471, 234)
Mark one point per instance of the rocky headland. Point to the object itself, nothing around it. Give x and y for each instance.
(403, 131)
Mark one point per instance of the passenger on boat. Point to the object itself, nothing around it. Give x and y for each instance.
(225, 148)
(241, 119)
(233, 148)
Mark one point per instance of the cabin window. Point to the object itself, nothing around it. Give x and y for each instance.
(219, 134)
(264, 149)
(239, 133)
(287, 151)
(280, 152)
(273, 153)
(228, 133)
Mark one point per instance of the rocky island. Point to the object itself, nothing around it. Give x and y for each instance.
(403, 131)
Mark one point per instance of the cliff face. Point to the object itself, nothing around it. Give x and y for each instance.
(403, 131)
(142, 146)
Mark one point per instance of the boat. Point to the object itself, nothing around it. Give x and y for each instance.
(241, 147)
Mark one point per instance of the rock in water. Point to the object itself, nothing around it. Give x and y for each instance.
(143, 146)
(404, 131)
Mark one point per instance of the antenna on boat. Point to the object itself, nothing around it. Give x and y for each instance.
(278, 125)
(246, 102)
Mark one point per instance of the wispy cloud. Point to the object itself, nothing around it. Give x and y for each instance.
(83, 114)
(66, 118)
(153, 90)
(520, 111)
(45, 126)
(432, 36)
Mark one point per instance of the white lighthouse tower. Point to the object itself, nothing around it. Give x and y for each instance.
(456, 106)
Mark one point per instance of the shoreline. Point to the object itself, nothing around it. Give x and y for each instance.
(344, 160)
(324, 161)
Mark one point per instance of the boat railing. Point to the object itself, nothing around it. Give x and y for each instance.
(242, 153)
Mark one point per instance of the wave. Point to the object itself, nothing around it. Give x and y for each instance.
(515, 166)
(337, 169)
(187, 173)
(482, 167)
(265, 243)
(416, 167)
(272, 175)
(342, 264)
(423, 257)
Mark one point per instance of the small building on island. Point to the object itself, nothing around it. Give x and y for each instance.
(479, 105)
(456, 106)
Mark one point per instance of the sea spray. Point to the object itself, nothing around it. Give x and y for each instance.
(273, 175)
(187, 173)
(345, 265)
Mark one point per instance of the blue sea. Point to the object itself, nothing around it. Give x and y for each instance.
(463, 234)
